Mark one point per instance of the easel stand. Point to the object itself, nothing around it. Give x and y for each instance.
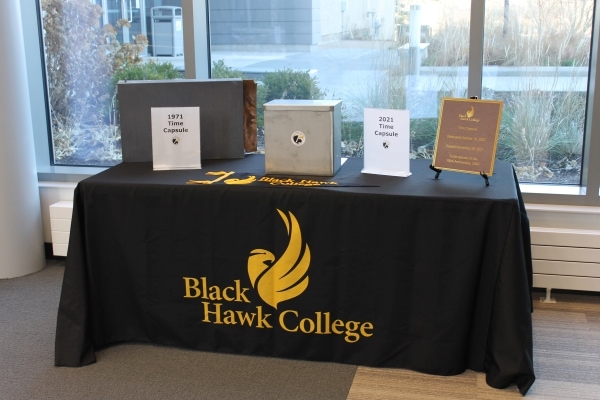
(484, 176)
(439, 171)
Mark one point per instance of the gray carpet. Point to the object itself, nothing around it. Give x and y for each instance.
(28, 307)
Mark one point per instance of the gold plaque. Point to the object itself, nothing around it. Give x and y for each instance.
(467, 135)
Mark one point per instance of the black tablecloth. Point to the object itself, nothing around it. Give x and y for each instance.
(432, 275)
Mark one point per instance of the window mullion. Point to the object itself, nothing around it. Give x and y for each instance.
(476, 48)
(196, 39)
(591, 149)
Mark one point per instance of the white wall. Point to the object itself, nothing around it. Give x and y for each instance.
(563, 217)
(21, 243)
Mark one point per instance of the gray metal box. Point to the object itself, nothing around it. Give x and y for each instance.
(221, 114)
(303, 137)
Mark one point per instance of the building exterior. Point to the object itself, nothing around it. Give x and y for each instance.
(275, 25)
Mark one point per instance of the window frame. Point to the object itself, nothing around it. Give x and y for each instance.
(197, 64)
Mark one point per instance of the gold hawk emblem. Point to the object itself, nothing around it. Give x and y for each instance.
(471, 112)
(285, 278)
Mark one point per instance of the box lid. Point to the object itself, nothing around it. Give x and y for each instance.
(301, 105)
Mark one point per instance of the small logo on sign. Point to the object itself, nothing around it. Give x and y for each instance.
(386, 144)
(175, 140)
(469, 115)
(298, 138)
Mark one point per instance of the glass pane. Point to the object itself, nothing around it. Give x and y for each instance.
(88, 47)
(536, 57)
(370, 54)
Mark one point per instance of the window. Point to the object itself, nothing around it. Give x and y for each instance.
(536, 60)
(89, 46)
(369, 54)
(535, 56)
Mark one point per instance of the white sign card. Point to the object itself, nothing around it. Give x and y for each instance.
(387, 142)
(175, 138)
